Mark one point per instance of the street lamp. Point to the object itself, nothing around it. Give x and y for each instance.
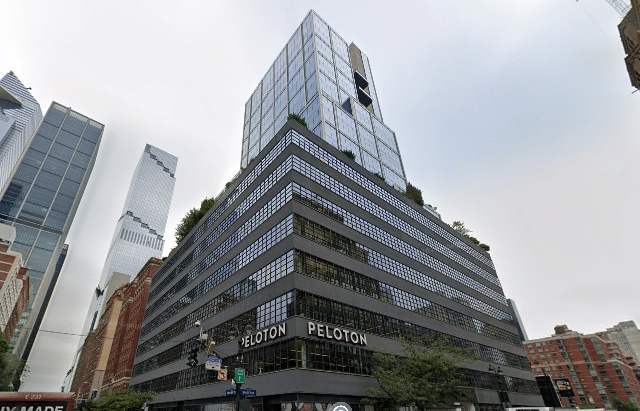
(235, 334)
(502, 395)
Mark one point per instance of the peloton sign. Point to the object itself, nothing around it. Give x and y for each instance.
(335, 333)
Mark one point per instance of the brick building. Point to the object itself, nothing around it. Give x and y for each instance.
(14, 283)
(596, 368)
(630, 35)
(123, 350)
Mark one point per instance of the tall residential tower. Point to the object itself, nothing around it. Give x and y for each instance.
(41, 200)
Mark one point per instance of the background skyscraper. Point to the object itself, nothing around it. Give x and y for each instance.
(342, 84)
(20, 114)
(139, 234)
(41, 200)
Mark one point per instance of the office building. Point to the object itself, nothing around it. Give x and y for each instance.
(330, 84)
(513, 310)
(627, 336)
(20, 114)
(41, 200)
(629, 29)
(139, 233)
(594, 368)
(328, 263)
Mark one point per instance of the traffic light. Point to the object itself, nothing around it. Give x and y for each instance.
(193, 357)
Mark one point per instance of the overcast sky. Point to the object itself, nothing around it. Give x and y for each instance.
(516, 117)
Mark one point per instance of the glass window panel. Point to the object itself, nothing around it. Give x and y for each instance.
(41, 196)
(281, 102)
(295, 84)
(327, 107)
(24, 250)
(75, 173)
(346, 124)
(363, 116)
(324, 49)
(297, 103)
(312, 87)
(255, 120)
(74, 125)
(384, 134)
(267, 81)
(318, 130)
(256, 98)
(309, 67)
(345, 83)
(295, 45)
(331, 136)
(254, 137)
(26, 235)
(69, 188)
(40, 143)
(344, 67)
(281, 85)
(268, 135)
(372, 164)
(56, 220)
(39, 259)
(339, 46)
(33, 212)
(86, 147)
(13, 198)
(33, 158)
(47, 130)
(81, 160)
(280, 120)
(55, 166)
(48, 180)
(26, 173)
(295, 65)
(321, 28)
(329, 87)
(368, 141)
(280, 65)
(247, 111)
(62, 152)
(268, 101)
(54, 117)
(267, 119)
(92, 133)
(62, 203)
(393, 179)
(326, 67)
(309, 49)
(312, 114)
(389, 158)
(68, 139)
(307, 27)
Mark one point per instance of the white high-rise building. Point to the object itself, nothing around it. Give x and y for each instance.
(20, 114)
(139, 234)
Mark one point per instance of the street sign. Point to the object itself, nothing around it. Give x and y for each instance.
(248, 392)
(212, 363)
(222, 375)
(231, 392)
(239, 378)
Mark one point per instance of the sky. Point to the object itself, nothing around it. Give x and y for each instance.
(517, 118)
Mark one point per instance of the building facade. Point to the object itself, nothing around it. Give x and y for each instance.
(329, 83)
(595, 368)
(14, 285)
(41, 200)
(329, 264)
(123, 350)
(629, 29)
(627, 336)
(139, 233)
(20, 114)
(513, 310)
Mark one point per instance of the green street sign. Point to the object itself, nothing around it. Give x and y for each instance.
(239, 378)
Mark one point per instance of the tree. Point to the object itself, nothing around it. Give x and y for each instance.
(191, 219)
(349, 154)
(425, 376)
(415, 194)
(623, 406)
(459, 227)
(297, 118)
(122, 400)
(8, 365)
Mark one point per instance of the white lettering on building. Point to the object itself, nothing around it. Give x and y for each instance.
(335, 333)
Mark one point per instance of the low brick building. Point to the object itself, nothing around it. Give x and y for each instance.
(14, 283)
(596, 368)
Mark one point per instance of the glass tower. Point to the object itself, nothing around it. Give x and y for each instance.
(139, 234)
(41, 200)
(328, 83)
(19, 116)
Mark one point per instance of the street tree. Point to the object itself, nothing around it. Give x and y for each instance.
(8, 365)
(192, 218)
(122, 400)
(426, 375)
(621, 405)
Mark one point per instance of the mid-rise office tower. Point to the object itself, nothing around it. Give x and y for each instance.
(41, 200)
(139, 234)
(329, 83)
(328, 264)
(19, 116)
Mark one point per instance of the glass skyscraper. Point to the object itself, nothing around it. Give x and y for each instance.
(329, 83)
(324, 260)
(20, 114)
(41, 200)
(139, 234)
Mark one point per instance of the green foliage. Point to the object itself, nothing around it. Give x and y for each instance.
(459, 227)
(433, 207)
(122, 400)
(425, 376)
(191, 219)
(623, 406)
(415, 194)
(297, 118)
(349, 154)
(8, 365)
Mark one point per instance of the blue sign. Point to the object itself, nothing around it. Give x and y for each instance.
(231, 392)
(248, 392)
